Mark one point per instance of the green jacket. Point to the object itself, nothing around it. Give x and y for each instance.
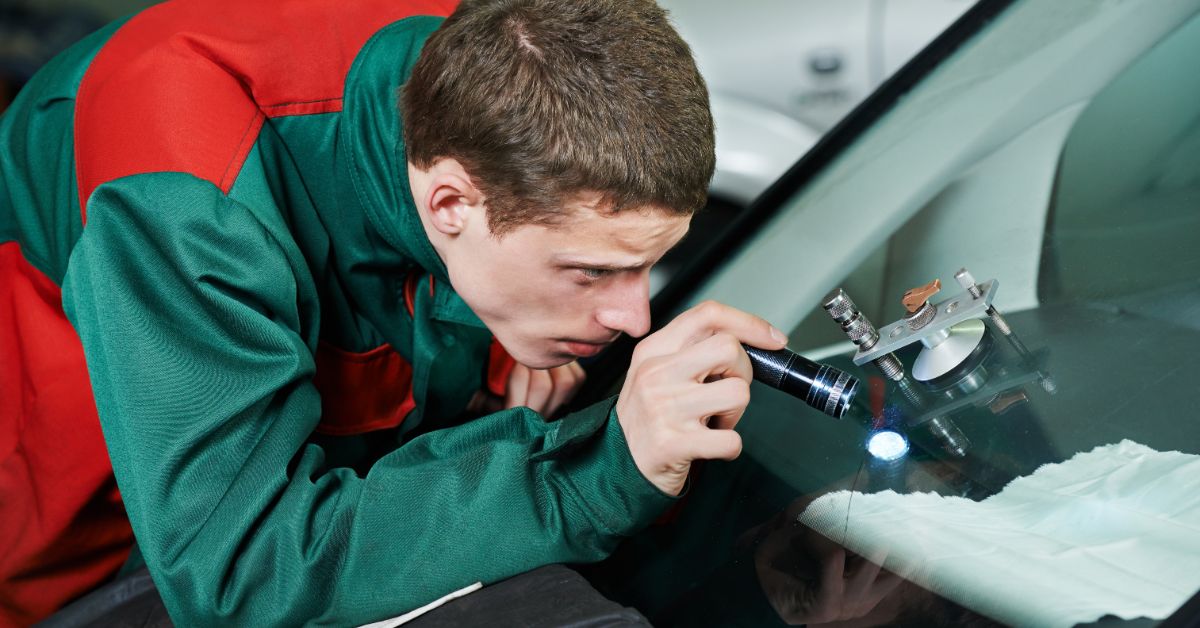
(212, 276)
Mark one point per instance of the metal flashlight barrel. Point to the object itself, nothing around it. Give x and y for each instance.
(821, 386)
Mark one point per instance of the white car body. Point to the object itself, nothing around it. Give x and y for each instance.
(783, 72)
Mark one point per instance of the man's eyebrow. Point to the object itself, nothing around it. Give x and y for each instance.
(567, 260)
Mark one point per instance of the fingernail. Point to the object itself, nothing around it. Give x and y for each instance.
(778, 335)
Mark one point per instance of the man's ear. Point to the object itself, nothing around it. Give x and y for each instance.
(452, 199)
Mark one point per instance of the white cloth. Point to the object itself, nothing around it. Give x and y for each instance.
(411, 615)
(1112, 531)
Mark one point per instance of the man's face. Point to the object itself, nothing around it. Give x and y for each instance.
(552, 294)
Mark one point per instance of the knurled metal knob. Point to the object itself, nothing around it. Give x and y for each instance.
(839, 305)
(967, 281)
(922, 317)
(861, 332)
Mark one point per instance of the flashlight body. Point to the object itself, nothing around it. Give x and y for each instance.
(821, 386)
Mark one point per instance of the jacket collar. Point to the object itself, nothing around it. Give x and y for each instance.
(372, 139)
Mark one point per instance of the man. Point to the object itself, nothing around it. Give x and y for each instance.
(290, 289)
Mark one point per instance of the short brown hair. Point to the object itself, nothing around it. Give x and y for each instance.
(541, 100)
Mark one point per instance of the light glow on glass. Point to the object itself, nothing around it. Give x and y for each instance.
(887, 445)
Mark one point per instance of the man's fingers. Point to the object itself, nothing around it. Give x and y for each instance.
(709, 318)
(833, 568)
(718, 356)
(723, 400)
(786, 594)
(528, 387)
(867, 585)
(579, 374)
(560, 381)
(566, 380)
(518, 386)
(543, 390)
(859, 581)
(881, 588)
(540, 388)
(715, 444)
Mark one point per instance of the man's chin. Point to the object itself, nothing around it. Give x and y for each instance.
(545, 358)
(545, 362)
(557, 353)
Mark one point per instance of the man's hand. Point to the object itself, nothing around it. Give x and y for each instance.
(846, 587)
(543, 390)
(687, 387)
(811, 580)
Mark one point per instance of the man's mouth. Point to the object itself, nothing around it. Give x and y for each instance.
(583, 348)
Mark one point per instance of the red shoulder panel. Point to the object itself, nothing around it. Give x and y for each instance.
(63, 529)
(185, 86)
(362, 392)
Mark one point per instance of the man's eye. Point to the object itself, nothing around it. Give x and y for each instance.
(593, 274)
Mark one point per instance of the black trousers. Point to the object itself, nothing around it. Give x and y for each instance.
(549, 596)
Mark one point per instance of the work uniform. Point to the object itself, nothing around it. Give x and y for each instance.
(214, 194)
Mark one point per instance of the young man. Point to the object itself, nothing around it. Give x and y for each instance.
(291, 285)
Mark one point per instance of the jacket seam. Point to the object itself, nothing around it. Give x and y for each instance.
(599, 522)
(293, 103)
(242, 153)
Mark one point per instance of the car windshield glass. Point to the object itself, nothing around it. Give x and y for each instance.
(1036, 459)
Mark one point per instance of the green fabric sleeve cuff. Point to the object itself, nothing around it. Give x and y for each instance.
(607, 479)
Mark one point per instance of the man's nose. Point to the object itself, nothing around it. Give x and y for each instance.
(627, 307)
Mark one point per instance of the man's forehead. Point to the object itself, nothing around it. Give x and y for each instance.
(632, 233)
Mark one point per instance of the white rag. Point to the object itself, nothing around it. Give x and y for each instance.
(1112, 531)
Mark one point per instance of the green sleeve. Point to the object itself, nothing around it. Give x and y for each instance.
(197, 320)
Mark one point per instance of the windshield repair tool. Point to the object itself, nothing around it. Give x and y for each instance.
(950, 330)
(950, 366)
(819, 385)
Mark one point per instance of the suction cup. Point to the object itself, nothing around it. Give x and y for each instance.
(953, 350)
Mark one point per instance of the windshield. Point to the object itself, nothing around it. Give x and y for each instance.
(1038, 464)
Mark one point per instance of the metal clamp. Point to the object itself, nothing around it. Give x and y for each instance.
(959, 308)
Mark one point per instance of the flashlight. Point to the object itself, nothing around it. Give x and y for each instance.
(820, 386)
